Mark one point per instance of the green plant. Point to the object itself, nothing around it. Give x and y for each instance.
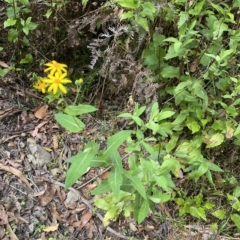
(19, 25)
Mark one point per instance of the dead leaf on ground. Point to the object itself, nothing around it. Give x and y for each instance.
(41, 112)
(55, 214)
(17, 173)
(55, 141)
(11, 233)
(105, 175)
(47, 197)
(3, 216)
(35, 131)
(51, 228)
(3, 64)
(90, 187)
(84, 220)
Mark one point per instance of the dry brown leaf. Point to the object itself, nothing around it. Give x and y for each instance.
(3, 216)
(55, 214)
(84, 220)
(35, 131)
(41, 112)
(55, 141)
(194, 66)
(47, 197)
(11, 233)
(17, 173)
(90, 187)
(3, 64)
(105, 175)
(51, 228)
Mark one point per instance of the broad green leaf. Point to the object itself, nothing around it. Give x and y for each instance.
(237, 131)
(209, 205)
(115, 141)
(220, 214)
(127, 15)
(27, 59)
(143, 211)
(154, 111)
(197, 9)
(167, 165)
(193, 126)
(160, 197)
(79, 109)
(9, 22)
(198, 212)
(133, 4)
(111, 214)
(143, 22)
(116, 160)
(215, 140)
(236, 3)
(102, 204)
(213, 167)
(98, 162)
(181, 86)
(115, 180)
(48, 13)
(70, 123)
(153, 126)
(236, 219)
(24, 2)
(236, 206)
(80, 163)
(236, 192)
(164, 114)
(137, 184)
(170, 72)
(12, 35)
(148, 147)
(103, 187)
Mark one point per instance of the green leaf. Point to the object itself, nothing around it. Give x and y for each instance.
(70, 123)
(236, 219)
(143, 211)
(103, 187)
(133, 4)
(164, 114)
(48, 13)
(24, 2)
(198, 212)
(236, 4)
(236, 206)
(79, 109)
(117, 160)
(115, 181)
(137, 184)
(102, 204)
(115, 141)
(98, 162)
(127, 15)
(170, 72)
(9, 22)
(27, 59)
(143, 22)
(12, 35)
(197, 9)
(220, 214)
(80, 163)
(111, 214)
(236, 192)
(215, 140)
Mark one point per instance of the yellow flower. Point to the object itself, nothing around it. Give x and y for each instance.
(56, 82)
(41, 85)
(54, 66)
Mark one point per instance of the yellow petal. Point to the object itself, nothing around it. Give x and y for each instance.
(63, 89)
(62, 76)
(55, 88)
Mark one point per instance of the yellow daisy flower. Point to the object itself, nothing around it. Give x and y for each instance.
(56, 82)
(54, 66)
(41, 85)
